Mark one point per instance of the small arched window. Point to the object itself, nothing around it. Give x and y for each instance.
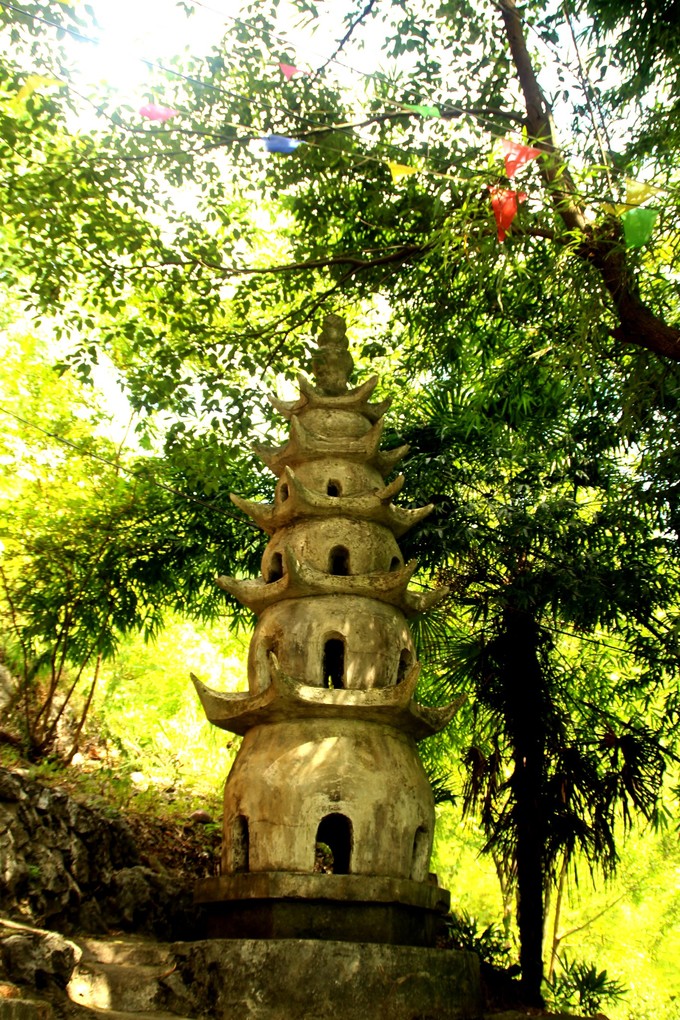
(275, 572)
(420, 860)
(335, 837)
(271, 648)
(405, 660)
(240, 844)
(333, 488)
(395, 563)
(338, 561)
(334, 664)
(285, 493)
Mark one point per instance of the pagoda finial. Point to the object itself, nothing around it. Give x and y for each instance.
(332, 364)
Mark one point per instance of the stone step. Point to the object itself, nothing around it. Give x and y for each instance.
(126, 988)
(139, 951)
(25, 1009)
(113, 1014)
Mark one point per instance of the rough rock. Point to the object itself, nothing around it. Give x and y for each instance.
(38, 958)
(72, 867)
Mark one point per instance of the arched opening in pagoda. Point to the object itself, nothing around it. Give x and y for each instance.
(338, 560)
(334, 664)
(335, 832)
(405, 660)
(240, 844)
(285, 492)
(333, 488)
(395, 563)
(275, 571)
(420, 857)
(271, 647)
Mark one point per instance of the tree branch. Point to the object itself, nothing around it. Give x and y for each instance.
(445, 114)
(399, 254)
(602, 247)
(348, 34)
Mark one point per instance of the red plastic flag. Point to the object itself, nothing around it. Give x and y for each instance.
(517, 155)
(153, 112)
(504, 202)
(288, 71)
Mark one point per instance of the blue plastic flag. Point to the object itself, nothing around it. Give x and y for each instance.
(279, 143)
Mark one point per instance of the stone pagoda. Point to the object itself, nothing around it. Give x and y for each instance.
(328, 812)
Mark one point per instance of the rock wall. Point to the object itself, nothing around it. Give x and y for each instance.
(71, 867)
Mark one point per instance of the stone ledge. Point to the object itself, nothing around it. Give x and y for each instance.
(267, 885)
(347, 908)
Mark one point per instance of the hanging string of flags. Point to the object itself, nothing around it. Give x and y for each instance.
(637, 220)
(638, 223)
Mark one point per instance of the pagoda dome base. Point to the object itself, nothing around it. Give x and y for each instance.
(307, 979)
(355, 908)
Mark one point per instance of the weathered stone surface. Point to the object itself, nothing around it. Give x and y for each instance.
(329, 726)
(348, 908)
(38, 958)
(315, 980)
(378, 644)
(25, 1009)
(130, 989)
(143, 900)
(330, 768)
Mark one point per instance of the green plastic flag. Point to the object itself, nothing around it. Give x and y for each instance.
(638, 225)
(424, 111)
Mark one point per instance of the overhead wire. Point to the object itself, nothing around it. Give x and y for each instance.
(315, 126)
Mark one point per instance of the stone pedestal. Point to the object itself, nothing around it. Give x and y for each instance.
(346, 908)
(309, 979)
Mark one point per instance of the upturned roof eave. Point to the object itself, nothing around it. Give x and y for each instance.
(354, 400)
(304, 503)
(301, 580)
(287, 700)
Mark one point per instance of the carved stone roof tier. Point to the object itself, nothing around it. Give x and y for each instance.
(305, 445)
(287, 699)
(372, 505)
(355, 400)
(301, 580)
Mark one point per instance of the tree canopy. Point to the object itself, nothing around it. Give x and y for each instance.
(525, 317)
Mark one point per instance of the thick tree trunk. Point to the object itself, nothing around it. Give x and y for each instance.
(638, 323)
(526, 721)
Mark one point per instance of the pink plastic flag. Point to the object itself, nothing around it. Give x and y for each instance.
(517, 155)
(288, 71)
(504, 202)
(153, 112)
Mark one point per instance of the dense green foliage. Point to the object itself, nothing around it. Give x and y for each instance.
(536, 379)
